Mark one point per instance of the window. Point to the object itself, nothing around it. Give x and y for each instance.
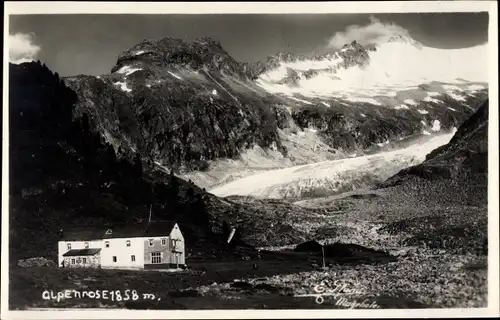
(173, 243)
(114, 259)
(150, 242)
(106, 244)
(164, 242)
(73, 261)
(128, 243)
(69, 246)
(86, 245)
(132, 258)
(84, 260)
(155, 257)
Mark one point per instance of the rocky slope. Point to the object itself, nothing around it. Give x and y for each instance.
(190, 107)
(439, 204)
(464, 157)
(167, 100)
(62, 173)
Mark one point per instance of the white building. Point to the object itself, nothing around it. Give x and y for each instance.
(152, 245)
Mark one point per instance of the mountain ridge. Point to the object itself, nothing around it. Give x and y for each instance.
(63, 173)
(187, 105)
(464, 157)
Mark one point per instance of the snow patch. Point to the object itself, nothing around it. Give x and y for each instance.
(411, 102)
(214, 92)
(402, 106)
(423, 111)
(138, 53)
(364, 99)
(300, 100)
(325, 104)
(123, 86)
(429, 99)
(436, 125)
(452, 109)
(452, 88)
(433, 94)
(456, 96)
(426, 133)
(174, 75)
(127, 70)
(363, 115)
(475, 87)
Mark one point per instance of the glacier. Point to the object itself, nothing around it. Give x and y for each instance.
(330, 177)
(386, 74)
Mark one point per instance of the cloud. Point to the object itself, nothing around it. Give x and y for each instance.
(22, 48)
(374, 32)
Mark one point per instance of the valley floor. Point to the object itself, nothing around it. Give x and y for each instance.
(419, 279)
(439, 243)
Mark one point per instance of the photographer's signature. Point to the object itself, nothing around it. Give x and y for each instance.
(342, 293)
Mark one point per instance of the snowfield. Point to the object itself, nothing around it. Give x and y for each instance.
(330, 177)
(385, 74)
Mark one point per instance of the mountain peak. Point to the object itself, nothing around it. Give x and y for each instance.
(403, 38)
(209, 42)
(167, 52)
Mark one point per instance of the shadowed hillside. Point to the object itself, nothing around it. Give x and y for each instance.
(186, 106)
(62, 173)
(464, 158)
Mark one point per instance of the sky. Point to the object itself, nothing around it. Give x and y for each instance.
(90, 44)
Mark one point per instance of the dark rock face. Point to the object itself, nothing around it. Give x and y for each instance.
(291, 79)
(202, 53)
(62, 173)
(351, 54)
(183, 120)
(465, 156)
(180, 104)
(354, 54)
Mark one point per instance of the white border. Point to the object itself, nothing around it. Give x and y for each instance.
(266, 8)
(245, 7)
